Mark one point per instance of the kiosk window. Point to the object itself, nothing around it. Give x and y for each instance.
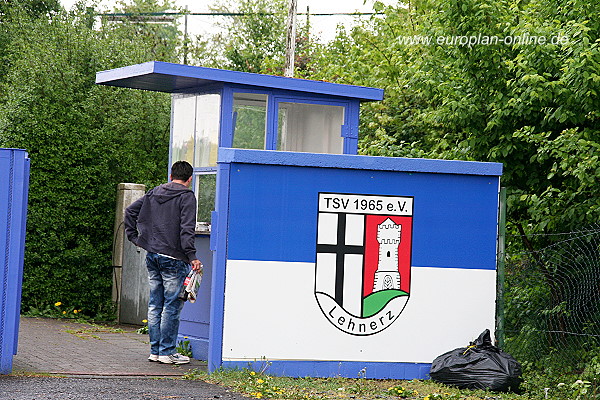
(195, 123)
(195, 128)
(183, 119)
(313, 128)
(205, 187)
(208, 110)
(249, 120)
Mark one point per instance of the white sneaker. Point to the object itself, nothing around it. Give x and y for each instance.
(174, 359)
(153, 357)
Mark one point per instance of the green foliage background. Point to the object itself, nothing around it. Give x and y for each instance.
(83, 139)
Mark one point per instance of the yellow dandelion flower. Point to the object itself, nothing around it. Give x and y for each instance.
(260, 381)
(57, 304)
(259, 395)
(252, 373)
(144, 320)
(64, 312)
(75, 311)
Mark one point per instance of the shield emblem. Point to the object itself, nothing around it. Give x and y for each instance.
(363, 258)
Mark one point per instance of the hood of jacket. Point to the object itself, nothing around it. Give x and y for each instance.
(168, 191)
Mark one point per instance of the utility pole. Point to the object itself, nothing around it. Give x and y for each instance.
(290, 48)
(185, 35)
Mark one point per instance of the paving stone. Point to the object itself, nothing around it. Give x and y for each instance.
(64, 347)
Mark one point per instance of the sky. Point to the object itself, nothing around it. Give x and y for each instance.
(324, 26)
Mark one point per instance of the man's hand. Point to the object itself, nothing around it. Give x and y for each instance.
(197, 265)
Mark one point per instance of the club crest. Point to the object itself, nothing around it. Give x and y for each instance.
(362, 273)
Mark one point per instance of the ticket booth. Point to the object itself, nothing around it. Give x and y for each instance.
(321, 262)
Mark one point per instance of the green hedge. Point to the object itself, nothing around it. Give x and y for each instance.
(83, 139)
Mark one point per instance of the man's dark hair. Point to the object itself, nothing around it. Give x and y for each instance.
(181, 170)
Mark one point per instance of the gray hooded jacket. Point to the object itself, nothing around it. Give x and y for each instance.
(164, 221)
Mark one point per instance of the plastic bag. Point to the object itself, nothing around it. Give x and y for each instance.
(481, 365)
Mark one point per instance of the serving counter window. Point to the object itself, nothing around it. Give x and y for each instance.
(205, 186)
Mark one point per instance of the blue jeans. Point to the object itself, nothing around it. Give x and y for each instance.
(166, 277)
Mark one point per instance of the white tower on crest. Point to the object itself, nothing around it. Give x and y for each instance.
(387, 275)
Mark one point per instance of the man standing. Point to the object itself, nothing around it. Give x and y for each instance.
(163, 223)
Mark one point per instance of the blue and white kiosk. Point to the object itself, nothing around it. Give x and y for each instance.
(321, 262)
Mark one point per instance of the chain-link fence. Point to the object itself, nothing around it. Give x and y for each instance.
(550, 318)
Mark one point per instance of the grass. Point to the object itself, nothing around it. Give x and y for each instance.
(87, 331)
(262, 386)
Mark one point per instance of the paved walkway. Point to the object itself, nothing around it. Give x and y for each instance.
(63, 347)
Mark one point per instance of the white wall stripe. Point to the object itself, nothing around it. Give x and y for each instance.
(271, 312)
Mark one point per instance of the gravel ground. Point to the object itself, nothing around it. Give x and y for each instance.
(109, 388)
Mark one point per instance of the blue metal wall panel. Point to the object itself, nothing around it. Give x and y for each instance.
(264, 204)
(195, 317)
(454, 225)
(346, 161)
(300, 369)
(220, 230)
(22, 176)
(14, 178)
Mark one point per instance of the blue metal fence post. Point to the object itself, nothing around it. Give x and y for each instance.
(14, 188)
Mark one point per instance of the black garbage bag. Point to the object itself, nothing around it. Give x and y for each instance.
(481, 365)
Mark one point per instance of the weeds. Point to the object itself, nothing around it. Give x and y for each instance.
(184, 348)
(260, 385)
(86, 332)
(63, 311)
(144, 329)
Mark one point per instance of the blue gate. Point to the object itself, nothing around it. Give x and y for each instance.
(14, 185)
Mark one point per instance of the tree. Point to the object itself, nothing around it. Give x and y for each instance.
(147, 22)
(11, 10)
(528, 100)
(253, 38)
(83, 139)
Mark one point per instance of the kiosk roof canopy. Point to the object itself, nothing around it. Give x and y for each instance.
(173, 78)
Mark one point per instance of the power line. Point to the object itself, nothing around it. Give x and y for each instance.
(229, 14)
